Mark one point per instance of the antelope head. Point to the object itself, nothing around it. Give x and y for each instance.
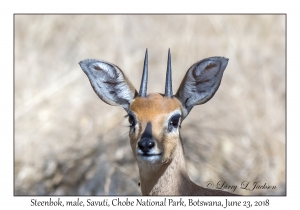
(155, 118)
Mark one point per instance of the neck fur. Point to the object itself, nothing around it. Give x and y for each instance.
(165, 179)
(172, 179)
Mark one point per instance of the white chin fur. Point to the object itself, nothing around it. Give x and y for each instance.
(149, 159)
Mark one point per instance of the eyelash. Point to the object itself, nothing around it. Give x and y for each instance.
(131, 120)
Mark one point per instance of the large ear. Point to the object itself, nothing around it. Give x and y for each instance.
(201, 82)
(109, 82)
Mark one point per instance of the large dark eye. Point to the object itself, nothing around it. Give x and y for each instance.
(131, 120)
(174, 122)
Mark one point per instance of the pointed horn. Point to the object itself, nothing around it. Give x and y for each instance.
(143, 88)
(168, 88)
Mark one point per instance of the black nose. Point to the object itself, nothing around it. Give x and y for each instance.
(146, 144)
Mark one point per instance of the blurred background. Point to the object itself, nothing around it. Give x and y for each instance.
(69, 142)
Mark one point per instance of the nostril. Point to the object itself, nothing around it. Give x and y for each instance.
(146, 145)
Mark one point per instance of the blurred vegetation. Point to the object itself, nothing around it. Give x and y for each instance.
(69, 142)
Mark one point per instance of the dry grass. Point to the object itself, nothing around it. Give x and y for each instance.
(68, 142)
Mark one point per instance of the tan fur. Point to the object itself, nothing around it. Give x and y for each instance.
(154, 105)
(156, 108)
(168, 177)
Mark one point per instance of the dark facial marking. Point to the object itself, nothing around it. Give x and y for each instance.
(148, 131)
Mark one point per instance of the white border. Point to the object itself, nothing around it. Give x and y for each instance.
(8, 8)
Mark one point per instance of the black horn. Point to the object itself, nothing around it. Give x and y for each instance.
(143, 88)
(168, 88)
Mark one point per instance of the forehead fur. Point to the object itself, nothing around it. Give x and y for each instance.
(154, 104)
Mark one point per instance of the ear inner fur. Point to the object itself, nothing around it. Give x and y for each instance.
(201, 82)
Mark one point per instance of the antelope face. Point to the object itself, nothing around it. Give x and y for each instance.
(154, 128)
(155, 118)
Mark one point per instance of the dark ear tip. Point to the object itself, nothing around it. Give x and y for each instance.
(82, 62)
(227, 60)
(216, 58)
(87, 62)
(224, 59)
(224, 62)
